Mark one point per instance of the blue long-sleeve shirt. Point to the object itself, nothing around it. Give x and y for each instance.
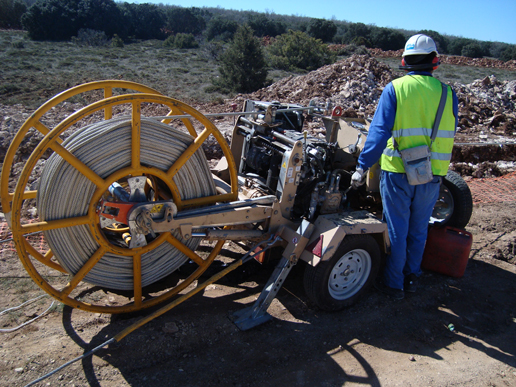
(380, 129)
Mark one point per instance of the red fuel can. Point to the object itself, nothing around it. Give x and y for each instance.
(447, 251)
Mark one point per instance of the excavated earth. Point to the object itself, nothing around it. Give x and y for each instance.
(452, 332)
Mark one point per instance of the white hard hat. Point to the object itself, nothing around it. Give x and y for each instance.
(420, 45)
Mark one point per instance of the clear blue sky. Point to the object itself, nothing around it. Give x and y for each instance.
(493, 20)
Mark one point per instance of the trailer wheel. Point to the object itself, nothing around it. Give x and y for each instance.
(455, 204)
(342, 280)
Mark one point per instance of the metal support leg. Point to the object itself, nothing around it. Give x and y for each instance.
(257, 313)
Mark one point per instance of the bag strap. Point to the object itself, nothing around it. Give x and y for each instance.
(438, 116)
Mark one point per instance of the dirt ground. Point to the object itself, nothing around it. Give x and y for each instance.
(377, 342)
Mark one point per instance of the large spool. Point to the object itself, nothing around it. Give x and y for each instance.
(85, 255)
(105, 147)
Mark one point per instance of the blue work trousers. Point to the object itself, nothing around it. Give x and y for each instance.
(407, 210)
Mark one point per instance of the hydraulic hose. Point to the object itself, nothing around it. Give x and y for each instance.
(105, 147)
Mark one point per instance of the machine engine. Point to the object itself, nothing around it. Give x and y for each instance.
(268, 141)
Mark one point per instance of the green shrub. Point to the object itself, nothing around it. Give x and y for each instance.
(322, 29)
(509, 53)
(185, 41)
(472, 50)
(181, 41)
(352, 49)
(117, 41)
(243, 67)
(296, 50)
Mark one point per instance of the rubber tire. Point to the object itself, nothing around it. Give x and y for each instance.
(462, 200)
(316, 279)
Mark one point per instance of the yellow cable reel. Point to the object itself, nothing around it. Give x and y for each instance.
(51, 269)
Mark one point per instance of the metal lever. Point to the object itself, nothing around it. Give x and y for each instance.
(257, 313)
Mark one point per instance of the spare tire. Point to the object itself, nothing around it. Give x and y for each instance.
(454, 205)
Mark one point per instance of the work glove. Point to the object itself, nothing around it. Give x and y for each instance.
(358, 178)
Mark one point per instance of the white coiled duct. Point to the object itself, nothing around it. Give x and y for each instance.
(105, 147)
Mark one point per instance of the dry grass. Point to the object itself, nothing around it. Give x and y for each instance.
(32, 72)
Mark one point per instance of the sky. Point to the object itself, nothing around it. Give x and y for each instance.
(493, 20)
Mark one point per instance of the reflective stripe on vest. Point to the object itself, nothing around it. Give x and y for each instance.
(414, 120)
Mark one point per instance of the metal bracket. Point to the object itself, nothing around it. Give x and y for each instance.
(257, 313)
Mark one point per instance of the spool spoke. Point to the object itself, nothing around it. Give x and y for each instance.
(136, 125)
(43, 259)
(78, 164)
(108, 111)
(85, 269)
(185, 250)
(192, 148)
(55, 224)
(137, 277)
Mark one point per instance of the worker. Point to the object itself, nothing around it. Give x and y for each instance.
(406, 113)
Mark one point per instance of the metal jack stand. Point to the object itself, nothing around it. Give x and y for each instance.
(257, 313)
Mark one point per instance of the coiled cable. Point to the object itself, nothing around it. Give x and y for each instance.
(105, 147)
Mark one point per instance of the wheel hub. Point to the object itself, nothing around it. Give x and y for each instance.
(349, 274)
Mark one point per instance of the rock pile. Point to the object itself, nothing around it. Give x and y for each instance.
(487, 107)
(451, 59)
(354, 83)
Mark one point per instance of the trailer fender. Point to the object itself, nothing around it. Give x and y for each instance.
(331, 229)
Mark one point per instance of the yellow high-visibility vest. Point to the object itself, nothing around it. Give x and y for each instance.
(417, 99)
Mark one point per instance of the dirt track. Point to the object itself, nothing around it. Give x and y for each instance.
(378, 342)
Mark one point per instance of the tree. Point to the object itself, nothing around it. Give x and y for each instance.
(142, 21)
(11, 12)
(322, 29)
(243, 67)
(60, 20)
(472, 50)
(100, 15)
(265, 26)
(387, 38)
(297, 50)
(456, 45)
(356, 30)
(221, 28)
(185, 20)
(52, 20)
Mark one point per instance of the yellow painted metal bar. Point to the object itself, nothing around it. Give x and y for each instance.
(108, 111)
(185, 250)
(179, 300)
(186, 122)
(137, 278)
(43, 259)
(85, 269)
(192, 148)
(54, 224)
(26, 195)
(77, 164)
(136, 123)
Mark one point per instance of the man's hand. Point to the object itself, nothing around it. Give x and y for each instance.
(358, 178)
